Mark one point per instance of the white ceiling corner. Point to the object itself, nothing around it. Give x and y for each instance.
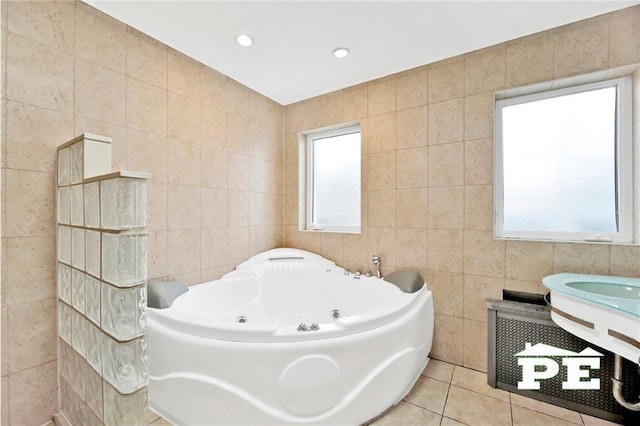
(291, 58)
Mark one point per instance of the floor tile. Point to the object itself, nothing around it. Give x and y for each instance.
(476, 381)
(439, 370)
(595, 421)
(543, 407)
(475, 409)
(446, 421)
(526, 417)
(408, 414)
(429, 393)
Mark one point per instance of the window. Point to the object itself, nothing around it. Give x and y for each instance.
(333, 180)
(564, 164)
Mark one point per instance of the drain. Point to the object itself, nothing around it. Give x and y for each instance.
(241, 319)
(335, 314)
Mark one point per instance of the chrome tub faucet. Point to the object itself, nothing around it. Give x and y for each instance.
(377, 262)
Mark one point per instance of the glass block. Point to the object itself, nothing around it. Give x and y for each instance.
(92, 418)
(64, 322)
(71, 404)
(78, 290)
(64, 359)
(121, 362)
(96, 155)
(77, 248)
(92, 302)
(123, 203)
(124, 259)
(141, 202)
(64, 282)
(121, 313)
(78, 374)
(64, 244)
(94, 392)
(64, 205)
(65, 397)
(64, 166)
(77, 416)
(94, 347)
(92, 205)
(143, 367)
(79, 332)
(76, 163)
(142, 308)
(92, 253)
(77, 205)
(131, 410)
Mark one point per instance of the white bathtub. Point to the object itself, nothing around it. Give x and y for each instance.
(206, 368)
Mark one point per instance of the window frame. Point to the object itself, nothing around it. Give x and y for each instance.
(623, 158)
(309, 139)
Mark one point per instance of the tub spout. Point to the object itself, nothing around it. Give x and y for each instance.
(617, 386)
(377, 262)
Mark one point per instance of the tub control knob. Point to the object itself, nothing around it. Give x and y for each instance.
(346, 271)
(315, 326)
(357, 272)
(368, 274)
(302, 327)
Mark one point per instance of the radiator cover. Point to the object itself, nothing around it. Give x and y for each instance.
(512, 324)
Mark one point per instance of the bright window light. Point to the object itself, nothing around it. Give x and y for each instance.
(333, 180)
(563, 168)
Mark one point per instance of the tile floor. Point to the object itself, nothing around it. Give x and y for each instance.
(450, 395)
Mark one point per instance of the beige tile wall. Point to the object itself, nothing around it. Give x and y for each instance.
(428, 175)
(4, 383)
(219, 182)
(213, 146)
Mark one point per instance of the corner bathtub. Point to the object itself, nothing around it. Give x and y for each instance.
(230, 351)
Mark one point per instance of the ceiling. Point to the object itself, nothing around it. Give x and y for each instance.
(291, 58)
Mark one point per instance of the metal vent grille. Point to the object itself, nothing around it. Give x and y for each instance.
(511, 335)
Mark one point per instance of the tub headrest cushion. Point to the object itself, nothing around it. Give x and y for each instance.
(407, 281)
(161, 294)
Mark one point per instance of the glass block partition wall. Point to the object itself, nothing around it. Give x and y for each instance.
(102, 267)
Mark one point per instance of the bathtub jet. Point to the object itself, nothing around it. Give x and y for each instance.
(286, 338)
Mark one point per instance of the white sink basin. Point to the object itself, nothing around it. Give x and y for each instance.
(603, 310)
(611, 290)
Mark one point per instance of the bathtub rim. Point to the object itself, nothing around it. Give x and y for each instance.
(252, 332)
(269, 332)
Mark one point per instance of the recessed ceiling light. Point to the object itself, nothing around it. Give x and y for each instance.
(244, 40)
(340, 52)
